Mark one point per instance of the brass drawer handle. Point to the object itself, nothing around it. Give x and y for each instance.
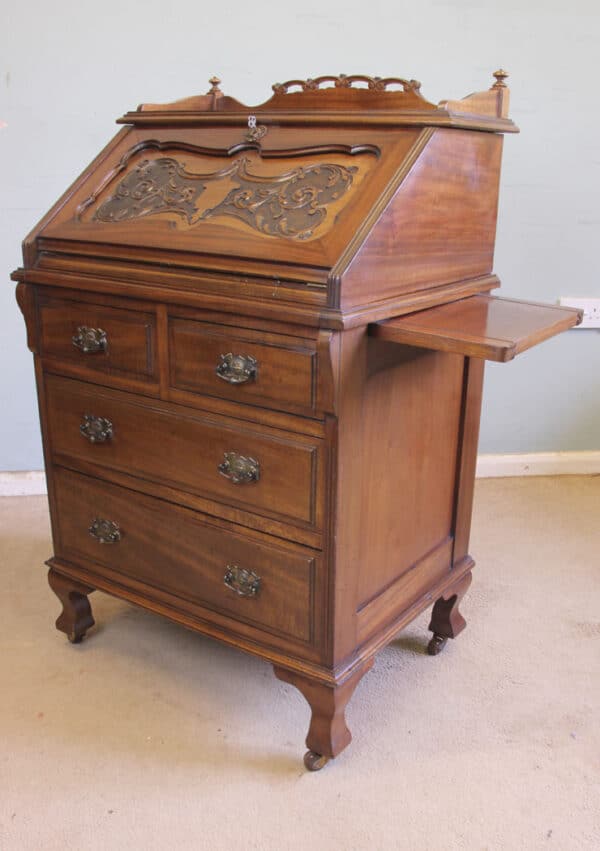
(239, 469)
(105, 531)
(237, 369)
(244, 582)
(90, 340)
(96, 429)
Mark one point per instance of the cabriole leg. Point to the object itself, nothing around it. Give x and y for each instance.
(76, 617)
(328, 733)
(446, 620)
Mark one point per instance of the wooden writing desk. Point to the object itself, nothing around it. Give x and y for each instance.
(259, 337)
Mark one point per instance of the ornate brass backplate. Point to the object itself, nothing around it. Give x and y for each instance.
(90, 340)
(105, 531)
(239, 469)
(245, 583)
(237, 369)
(96, 429)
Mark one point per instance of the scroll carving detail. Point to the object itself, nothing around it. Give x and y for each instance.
(346, 81)
(153, 186)
(290, 205)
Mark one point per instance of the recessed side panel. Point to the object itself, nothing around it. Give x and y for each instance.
(412, 410)
(440, 226)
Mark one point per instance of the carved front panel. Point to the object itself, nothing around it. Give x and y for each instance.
(266, 195)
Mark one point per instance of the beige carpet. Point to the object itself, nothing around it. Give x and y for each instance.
(147, 736)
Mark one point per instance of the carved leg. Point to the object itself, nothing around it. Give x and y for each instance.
(76, 617)
(328, 734)
(446, 621)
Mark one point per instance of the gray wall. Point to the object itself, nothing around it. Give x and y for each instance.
(69, 69)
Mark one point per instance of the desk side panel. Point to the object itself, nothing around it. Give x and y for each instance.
(412, 416)
(399, 430)
(440, 226)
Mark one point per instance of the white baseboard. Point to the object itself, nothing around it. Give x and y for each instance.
(539, 464)
(23, 483)
(33, 482)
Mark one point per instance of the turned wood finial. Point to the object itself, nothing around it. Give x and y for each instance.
(500, 76)
(215, 93)
(214, 86)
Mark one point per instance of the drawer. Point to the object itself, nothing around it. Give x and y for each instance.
(180, 552)
(99, 339)
(259, 469)
(243, 365)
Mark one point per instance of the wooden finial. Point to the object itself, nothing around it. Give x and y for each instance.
(500, 76)
(214, 86)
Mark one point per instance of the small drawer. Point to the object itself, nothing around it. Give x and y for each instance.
(243, 365)
(100, 339)
(258, 469)
(144, 540)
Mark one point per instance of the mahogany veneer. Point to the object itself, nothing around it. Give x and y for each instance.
(259, 337)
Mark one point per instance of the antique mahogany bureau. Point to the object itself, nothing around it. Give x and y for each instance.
(259, 337)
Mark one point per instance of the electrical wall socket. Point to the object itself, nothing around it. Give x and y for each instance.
(590, 307)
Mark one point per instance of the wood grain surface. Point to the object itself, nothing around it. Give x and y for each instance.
(483, 326)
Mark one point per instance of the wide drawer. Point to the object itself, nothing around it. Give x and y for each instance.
(262, 470)
(99, 339)
(180, 552)
(243, 365)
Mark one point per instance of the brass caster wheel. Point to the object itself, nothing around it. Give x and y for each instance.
(436, 645)
(315, 761)
(74, 638)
